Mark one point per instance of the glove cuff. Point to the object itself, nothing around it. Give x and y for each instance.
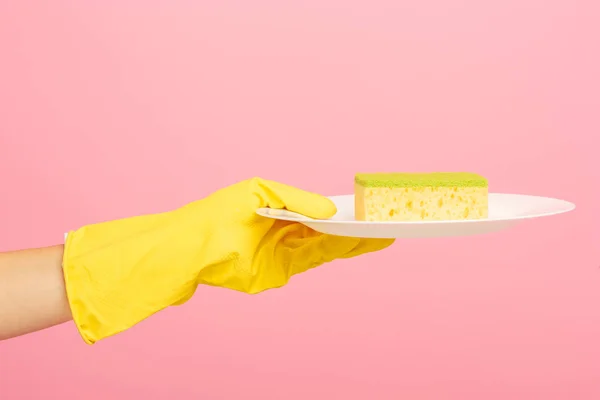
(118, 273)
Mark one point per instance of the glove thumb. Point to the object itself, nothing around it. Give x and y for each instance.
(280, 196)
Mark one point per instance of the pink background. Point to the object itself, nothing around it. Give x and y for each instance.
(109, 109)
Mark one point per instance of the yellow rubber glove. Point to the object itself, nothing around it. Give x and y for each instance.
(118, 273)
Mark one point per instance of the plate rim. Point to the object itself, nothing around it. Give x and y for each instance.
(570, 206)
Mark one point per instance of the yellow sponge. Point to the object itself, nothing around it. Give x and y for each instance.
(420, 196)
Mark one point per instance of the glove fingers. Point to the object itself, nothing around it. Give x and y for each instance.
(187, 297)
(281, 196)
(369, 246)
(319, 250)
(326, 248)
(334, 247)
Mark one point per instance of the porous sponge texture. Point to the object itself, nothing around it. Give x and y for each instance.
(421, 202)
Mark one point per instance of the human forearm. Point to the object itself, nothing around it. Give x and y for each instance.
(32, 291)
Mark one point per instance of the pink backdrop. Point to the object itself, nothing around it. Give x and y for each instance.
(109, 109)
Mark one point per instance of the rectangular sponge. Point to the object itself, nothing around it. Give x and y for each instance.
(420, 196)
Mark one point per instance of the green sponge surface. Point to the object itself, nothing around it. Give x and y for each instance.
(422, 179)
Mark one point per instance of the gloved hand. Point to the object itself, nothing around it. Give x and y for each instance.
(118, 273)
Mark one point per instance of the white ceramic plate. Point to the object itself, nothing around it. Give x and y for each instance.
(505, 210)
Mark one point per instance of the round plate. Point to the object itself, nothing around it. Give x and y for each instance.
(505, 210)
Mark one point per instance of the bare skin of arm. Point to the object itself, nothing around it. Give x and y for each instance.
(32, 291)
